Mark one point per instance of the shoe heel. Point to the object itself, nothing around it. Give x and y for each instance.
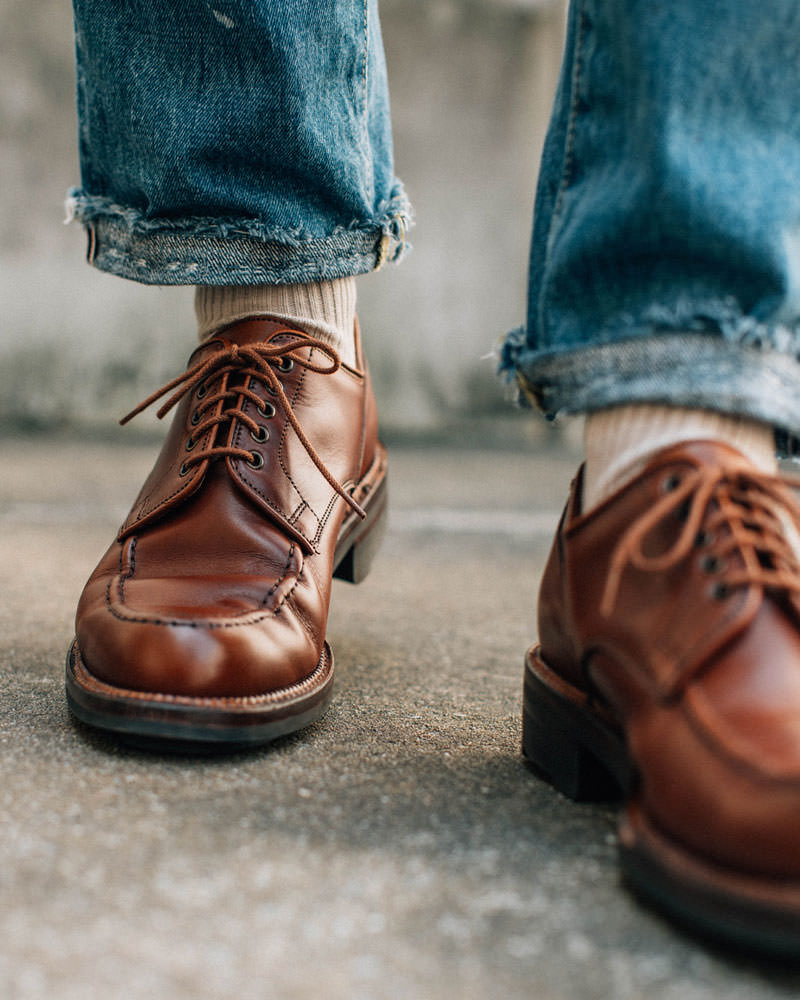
(550, 745)
(357, 561)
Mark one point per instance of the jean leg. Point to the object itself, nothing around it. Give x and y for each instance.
(235, 142)
(665, 260)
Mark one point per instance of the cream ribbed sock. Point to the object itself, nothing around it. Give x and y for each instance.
(619, 440)
(325, 309)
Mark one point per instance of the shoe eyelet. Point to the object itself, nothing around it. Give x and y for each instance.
(190, 443)
(194, 420)
(703, 539)
(184, 469)
(285, 364)
(671, 482)
(267, 410)
(256, 460)
(260, 435)
(720, 591)
(202, 389)
(710, 564)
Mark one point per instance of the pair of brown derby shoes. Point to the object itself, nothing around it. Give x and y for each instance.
(668, 663)
(204, 623)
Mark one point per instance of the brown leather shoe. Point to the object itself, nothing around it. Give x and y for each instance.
(669, 667)
(205, 620)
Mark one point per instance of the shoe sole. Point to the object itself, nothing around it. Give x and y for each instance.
(569, 743)
(189, 724)
(159, 721)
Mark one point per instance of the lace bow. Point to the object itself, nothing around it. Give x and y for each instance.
(723, 511)
(261, 361)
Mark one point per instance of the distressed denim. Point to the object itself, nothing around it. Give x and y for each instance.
(235, 142)
(665, 260)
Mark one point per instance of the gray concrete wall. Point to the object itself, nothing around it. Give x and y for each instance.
(471, 81)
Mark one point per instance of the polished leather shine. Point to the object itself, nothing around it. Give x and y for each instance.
(215, 593)
(669, 653)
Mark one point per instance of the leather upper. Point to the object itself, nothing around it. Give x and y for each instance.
(675, 606)
(218, 582)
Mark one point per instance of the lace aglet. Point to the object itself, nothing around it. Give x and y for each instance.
(356, 506)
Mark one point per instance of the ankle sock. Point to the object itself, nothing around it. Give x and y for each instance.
(619, 440)
(325, 309)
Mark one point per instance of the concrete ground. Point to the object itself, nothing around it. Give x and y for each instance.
(397, 849)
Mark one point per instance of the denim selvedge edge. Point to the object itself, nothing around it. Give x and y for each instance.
(665, 259)
(239, 142)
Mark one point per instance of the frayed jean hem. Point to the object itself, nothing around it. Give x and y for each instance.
(680, 369)
(206, 251)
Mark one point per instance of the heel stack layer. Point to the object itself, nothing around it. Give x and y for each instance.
(567, 742)
(360, 540)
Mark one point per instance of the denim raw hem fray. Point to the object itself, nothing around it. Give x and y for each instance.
(208, 251)
(703, 371)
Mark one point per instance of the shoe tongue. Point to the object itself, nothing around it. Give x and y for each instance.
(701, 453)
(251, 331)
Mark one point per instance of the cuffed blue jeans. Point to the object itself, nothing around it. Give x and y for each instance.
(248, 141)
(235, 142)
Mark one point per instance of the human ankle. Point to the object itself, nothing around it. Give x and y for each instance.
(618, 441)
(324, 309)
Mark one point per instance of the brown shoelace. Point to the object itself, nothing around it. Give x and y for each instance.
(723, 512)
(258, 361)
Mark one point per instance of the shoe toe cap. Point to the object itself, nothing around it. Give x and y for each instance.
(246, 656)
